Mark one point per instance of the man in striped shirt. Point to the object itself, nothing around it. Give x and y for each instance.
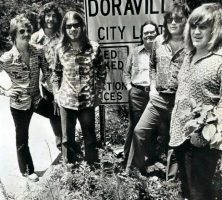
(23, 63)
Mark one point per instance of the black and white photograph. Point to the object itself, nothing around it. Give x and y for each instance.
(111, 99)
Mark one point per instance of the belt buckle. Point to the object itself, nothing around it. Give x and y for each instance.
(146, 89)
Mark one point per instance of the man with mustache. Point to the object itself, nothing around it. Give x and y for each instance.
(23, 63)
(47, 38)
(136, 79)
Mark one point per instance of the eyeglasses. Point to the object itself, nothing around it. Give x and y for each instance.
(200, 26)
(176, 19)
(69, 26)
(149, 33)
(22, 31)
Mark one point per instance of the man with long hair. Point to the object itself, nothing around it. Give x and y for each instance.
(166, 59)
(78, 79)
(47, 38)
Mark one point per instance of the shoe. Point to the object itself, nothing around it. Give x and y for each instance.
(32, 177)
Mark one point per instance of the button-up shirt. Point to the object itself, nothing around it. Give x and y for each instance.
(165, 65)
(136, 70)
(79, 77)
(200, 82)
(24, 77)
(48, 44)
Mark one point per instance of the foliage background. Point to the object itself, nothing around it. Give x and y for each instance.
(104, 183)
(10, 8)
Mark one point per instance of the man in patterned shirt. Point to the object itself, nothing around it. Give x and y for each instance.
(78, 81)
(166, 59)
(47, 38)
(136, 79)
(23, 63)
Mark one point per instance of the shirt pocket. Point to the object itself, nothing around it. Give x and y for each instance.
(20, 74)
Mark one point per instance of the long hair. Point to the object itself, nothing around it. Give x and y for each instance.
(48, 7)
(84, 40)
(15, 22)
(146, 23)
(177, 7)
(209, 14)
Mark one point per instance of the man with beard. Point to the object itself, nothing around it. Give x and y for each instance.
(47, 38)
(136, 79)
(23, 64)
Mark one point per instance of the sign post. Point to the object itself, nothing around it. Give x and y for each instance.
(115, 25)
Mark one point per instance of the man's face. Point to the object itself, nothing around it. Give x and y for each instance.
(200, 35)
(73, 29)
(149, 33)
(176, 23)
(50, 20)
(23, 34)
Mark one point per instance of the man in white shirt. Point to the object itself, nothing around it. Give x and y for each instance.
(136, 79)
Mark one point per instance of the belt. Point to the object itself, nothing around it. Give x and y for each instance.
(144, 88)
(167, 93)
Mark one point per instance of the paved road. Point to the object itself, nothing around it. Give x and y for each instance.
(41, 142)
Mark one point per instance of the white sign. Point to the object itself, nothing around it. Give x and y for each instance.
(116, 25)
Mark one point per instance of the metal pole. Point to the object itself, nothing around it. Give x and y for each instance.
(102, 125)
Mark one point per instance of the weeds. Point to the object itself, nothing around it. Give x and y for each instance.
(3, 191)
(105, 181)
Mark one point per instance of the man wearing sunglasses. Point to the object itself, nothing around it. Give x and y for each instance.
(78, 78)
(23, 63)
(166, 59)
(47, 38)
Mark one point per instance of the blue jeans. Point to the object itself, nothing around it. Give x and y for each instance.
(138, 100)
(22, 120)
(86, 118)
(148, 124)
(196, 170)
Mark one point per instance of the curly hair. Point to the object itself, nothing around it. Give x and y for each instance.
(48, 7)
(15, 22)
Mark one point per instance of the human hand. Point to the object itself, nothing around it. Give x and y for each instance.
(153, 89)
(129, 87)
(13, 92)
(56, 108)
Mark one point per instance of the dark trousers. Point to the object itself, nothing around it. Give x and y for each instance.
(138, 100)
(86, 118)
(196, 170)
(55, 120)
(22, 120)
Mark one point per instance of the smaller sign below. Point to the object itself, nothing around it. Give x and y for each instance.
(115, 58)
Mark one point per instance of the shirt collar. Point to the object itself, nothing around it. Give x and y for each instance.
(141, 48)
(15, 52)
(43, 35)
(216, 52)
